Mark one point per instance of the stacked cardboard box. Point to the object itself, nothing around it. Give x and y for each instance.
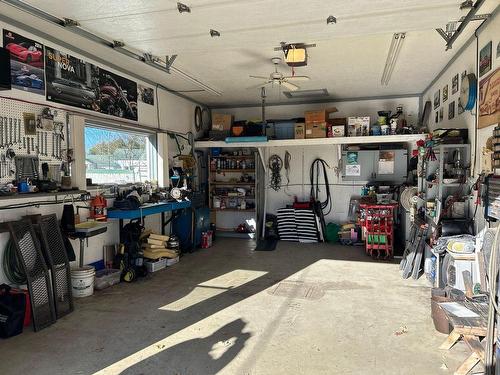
(316, 123)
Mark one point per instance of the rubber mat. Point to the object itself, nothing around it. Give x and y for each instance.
(38, 280)
(57, 260)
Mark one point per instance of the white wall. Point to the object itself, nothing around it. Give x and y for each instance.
(170, 112)
(468, 60)
(302, 157)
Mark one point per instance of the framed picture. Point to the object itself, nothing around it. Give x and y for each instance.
(441, 114)
(451, 110)
(437, 99)
(498, 50)
(445, 93)
(485, 59)
(460, 107)
(437, 117)
(489, 103)
(454, 84)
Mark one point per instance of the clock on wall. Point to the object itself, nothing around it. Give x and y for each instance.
(468, 91)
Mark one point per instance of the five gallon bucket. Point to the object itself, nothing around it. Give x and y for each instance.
(82, 281)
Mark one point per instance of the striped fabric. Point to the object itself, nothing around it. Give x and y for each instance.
(297, 225)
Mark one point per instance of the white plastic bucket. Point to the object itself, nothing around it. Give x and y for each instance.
(82, 281)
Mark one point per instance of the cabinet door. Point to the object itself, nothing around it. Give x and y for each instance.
(390, 165)
(358, 165)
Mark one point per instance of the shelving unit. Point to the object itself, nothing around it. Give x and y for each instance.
(399, 138)
(232, 192)
(439, 190)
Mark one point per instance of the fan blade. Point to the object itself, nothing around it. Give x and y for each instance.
(297, 78)
(259, 77)
(259, 85)
(290, 86)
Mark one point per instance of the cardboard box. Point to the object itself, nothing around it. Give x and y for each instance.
(316, 130)
(336, 131)
(319, 116)
(300, 130)
(358, 126)
(221, 121)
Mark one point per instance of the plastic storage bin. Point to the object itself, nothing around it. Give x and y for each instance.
(284, 129)
(156, 265)
(106, 278)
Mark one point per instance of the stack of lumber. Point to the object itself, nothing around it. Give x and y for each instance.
(155, 247)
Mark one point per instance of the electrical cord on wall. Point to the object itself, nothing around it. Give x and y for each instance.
(316, 167)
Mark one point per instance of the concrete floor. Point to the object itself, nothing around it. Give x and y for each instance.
(302, 309)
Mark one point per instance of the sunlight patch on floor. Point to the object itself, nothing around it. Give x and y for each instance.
(213, 287)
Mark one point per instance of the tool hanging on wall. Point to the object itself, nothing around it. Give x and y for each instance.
(275, 164)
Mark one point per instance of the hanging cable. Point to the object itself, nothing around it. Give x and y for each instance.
(316, 167)
(275, 164)
(288, 158)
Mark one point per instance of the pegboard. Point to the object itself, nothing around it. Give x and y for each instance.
(49, 145)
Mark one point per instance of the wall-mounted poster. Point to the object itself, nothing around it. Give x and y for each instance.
(451, 110)
(445, 93)
(26, 62)
(78, 83)
(71, 81)
(146, 95)
(437, 99)
(454, 84)
(485, 59)
(118, 95)
(489, 103)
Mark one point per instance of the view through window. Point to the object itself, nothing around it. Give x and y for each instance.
(117, 157)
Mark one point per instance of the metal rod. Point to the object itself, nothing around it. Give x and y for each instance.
(464, 23)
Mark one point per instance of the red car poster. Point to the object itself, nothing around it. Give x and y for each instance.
(27, 62)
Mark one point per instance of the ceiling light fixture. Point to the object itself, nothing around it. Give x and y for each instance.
(183, 8)
(392, 57)
(331, 19)
(214, 33)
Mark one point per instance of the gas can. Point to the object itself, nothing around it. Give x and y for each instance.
(204, 240)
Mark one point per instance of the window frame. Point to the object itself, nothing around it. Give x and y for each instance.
(152, 153)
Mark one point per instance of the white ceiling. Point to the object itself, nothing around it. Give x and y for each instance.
(348, 60)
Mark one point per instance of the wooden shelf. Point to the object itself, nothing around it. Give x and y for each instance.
(399, 138)
(234, 170)
(233, 183)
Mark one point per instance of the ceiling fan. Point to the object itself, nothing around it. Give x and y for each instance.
(279, 78)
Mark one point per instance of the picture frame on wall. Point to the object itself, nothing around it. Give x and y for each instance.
(485, 59)
(437, 99)
(436, 120)
(454, 84)
(451, 110)
(441, 114)
(445, 93)
(460, 107)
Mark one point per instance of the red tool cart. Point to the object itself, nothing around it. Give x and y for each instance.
(377, 221)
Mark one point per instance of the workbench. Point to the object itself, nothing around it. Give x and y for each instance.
(149, 209)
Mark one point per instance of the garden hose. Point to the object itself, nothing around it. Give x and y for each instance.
(12, 266)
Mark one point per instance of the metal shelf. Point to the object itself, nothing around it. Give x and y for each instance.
(400, 138)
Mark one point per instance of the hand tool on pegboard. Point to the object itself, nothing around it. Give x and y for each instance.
(1, 132)
(46, 143)
(19, 130)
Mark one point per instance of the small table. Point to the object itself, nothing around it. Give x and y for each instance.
(149, 209)
(472, 331)
(82, 236)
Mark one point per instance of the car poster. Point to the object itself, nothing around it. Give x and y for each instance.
(26, 61)
(78, 83)
(71, 81)
(117, 95)
(146, 95)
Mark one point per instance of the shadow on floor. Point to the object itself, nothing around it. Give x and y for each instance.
(207, 355)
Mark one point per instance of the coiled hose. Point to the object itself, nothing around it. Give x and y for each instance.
(12, 265)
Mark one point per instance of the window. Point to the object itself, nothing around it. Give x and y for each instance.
(118, 156)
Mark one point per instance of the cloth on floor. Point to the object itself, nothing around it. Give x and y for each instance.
(297, 225)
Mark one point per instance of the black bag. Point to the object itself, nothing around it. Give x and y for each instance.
(12, 308)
